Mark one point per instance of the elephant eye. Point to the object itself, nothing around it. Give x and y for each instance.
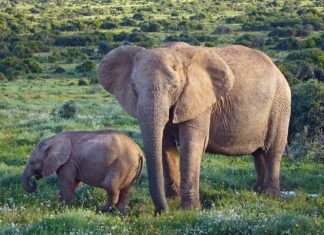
(132, 84)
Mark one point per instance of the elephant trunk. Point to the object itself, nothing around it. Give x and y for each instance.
(152, 120)
(28, 173)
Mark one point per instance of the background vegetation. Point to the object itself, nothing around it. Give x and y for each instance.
(49, 51)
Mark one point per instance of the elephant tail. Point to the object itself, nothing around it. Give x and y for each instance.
(140, 168)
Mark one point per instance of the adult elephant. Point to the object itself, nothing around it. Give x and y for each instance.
(231, 100)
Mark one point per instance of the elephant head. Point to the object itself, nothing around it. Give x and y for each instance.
(170, 84)
(45, 158)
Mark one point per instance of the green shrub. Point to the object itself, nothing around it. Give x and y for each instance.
(221, 29)
(302, 147)
(314, 55)
(82, 82)
(152, 27)
(139, 16)
(109, 23)
(31, 77)
(2, 76)
(31, 65)
(250, 40)
(59, 70)
(289, 44)
(67, 110)
(93, 79)
(104, 47)
(86, 66)
(307, 109)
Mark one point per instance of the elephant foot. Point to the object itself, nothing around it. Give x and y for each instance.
(257, 187)
(190, 205)
(159, 211)
(272, 191)
(107, 208)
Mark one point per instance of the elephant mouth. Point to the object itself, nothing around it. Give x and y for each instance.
(38, 175)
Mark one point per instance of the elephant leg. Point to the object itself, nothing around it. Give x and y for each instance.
(170, 165)
(66, 183)
(112, 200)
(123, 199)
(112, 185)
(193, 136)
(259, 164)
(272, 171)
(276, 142)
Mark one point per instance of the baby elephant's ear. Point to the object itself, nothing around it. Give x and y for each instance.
(58, 153)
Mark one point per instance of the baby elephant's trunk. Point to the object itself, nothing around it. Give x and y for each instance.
(140, 169)
(25, 181)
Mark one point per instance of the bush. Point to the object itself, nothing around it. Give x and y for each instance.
(86, 66)
(288, 70)
(140, 38)
(309, 43)
(128, 22)
(306, 71)
(2, 76)
(184, 37)
(93, 80)
(199, 16)
(307, 109)
(59, 70)
(76, 40)
(223, 29)
(282, 32)
(289, 44)
(139, 16)
(301, 147)
(314, 55)
(250, 40)
(82, 82)
(67, 110)
(152, 27)
(31, 65)
(105, 47)
(256, 26)
(109, 24)
(31, 77)
(319, 41)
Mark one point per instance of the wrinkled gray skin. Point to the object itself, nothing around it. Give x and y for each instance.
(105, 159)
(231, 100)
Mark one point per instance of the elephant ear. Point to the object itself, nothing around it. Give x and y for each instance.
(57, 153)
(208, 80)
(114, 74)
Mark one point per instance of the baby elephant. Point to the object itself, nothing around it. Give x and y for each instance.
(105, 159)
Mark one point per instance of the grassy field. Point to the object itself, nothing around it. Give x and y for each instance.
(28, 113)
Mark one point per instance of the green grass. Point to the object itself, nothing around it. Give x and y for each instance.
(28, 113)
